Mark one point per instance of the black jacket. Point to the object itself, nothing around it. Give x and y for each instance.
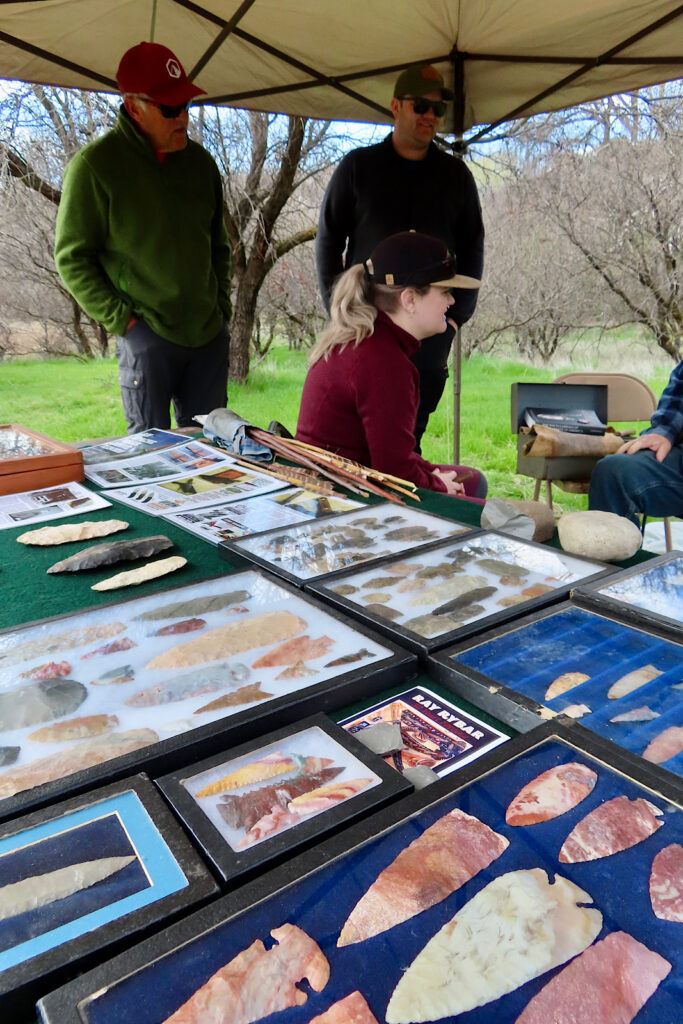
(374, 192)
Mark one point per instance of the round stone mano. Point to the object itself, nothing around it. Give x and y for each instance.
(601, 535)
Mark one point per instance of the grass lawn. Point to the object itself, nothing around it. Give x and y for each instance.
(72, 401)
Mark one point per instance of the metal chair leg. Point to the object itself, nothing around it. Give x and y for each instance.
(667, 534)
(549, 494)
(537, 488)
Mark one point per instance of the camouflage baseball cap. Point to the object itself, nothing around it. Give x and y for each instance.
(418, 81)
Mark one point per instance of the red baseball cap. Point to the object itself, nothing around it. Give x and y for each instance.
(150, 69)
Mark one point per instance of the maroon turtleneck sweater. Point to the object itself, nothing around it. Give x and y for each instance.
(361, 403)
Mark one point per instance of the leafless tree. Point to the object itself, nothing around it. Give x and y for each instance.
(265, 161)
(584, 225)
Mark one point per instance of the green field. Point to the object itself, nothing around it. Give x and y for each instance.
(71, 401)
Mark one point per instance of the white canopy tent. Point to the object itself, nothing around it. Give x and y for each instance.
(339, 59)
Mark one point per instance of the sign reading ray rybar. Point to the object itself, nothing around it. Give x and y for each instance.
(435, 732)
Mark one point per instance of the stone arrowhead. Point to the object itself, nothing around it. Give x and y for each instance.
(146, 572)
(49, 535)
(108, 554)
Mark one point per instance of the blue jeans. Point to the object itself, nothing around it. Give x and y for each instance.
(635, 485)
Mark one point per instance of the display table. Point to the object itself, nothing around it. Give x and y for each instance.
(29, 595)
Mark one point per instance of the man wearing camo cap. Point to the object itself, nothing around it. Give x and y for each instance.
(406, 182)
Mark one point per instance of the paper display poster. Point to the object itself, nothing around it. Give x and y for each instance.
(131, 445)
(222, 522)
(435, 732)
(167, 464)
(229, 482)
(314, 505)
(38, 506)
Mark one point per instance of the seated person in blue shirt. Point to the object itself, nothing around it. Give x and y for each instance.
(645, 477)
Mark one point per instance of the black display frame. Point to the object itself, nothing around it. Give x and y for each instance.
(232, 865)
(23, 984)
(188, 746)
(515, 709)
(588, 595)
(425, 646)
(231, 549)
(66, 1005)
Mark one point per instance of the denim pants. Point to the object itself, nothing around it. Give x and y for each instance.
(153, 373)
(635, 485)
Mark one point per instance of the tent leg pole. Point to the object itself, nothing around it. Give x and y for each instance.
(457, 373)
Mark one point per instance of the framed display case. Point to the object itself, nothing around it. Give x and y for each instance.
(29, 460)
(648, 595)
(270, 798)
(624, 683)
(310, 551)
(534, 901)
(453, 589)
(168, 678)
(81, 876)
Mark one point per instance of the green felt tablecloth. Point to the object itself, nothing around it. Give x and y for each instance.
(27, 593)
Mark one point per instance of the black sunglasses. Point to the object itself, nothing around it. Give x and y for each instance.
(167, 111)
(422, 105)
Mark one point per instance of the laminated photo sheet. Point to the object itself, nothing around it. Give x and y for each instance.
(432, 593)
(255, 515)
(435, 732)
(47, 503)
(131, 444)
(80, 690)
(315, 549)
(230, 482)
(228, 792)
(155, 467)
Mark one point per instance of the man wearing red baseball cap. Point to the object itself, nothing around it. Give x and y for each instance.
(406, 182)
(141, 244)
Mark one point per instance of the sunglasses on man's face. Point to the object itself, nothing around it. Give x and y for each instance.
(167, 111)
(422, 105)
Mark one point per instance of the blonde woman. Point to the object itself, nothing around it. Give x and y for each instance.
(361, 392)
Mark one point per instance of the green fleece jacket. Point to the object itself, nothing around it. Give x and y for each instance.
(136, 237)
